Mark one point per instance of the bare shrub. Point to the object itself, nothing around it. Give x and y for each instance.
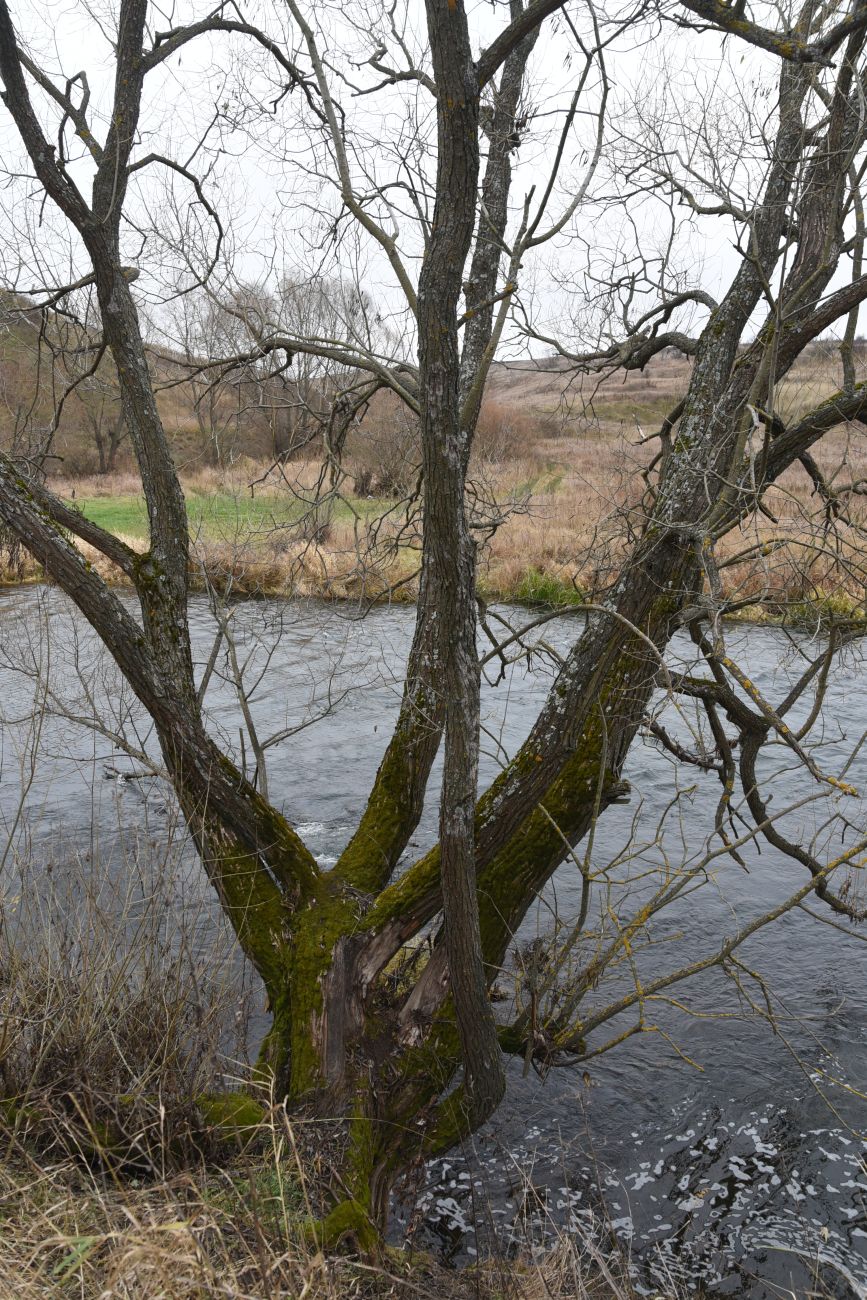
(114, 1017)
(384, 451)
(506, 430)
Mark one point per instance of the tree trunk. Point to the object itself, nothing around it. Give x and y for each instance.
(370, 1054)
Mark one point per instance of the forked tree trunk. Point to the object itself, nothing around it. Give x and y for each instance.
(372, 1058)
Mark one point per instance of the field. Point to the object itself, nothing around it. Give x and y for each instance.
(214, 516)
(559, 479)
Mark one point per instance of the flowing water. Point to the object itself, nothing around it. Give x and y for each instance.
(723, 1153)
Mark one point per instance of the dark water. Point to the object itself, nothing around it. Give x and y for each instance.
(722, 1153)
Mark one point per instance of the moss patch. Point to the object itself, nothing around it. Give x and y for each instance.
(231, 1112)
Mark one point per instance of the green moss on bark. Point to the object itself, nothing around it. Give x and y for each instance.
(234, 1113)
(350, 1224)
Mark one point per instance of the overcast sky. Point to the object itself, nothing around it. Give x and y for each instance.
(269, 175)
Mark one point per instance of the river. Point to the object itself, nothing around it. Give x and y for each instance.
(722, 1154)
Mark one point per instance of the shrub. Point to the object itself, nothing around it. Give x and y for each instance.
(506, 430)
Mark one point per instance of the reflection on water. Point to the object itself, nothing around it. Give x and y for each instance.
(723, 1153)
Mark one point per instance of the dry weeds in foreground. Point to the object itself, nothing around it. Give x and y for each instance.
(235, 1233)
(116, 1029)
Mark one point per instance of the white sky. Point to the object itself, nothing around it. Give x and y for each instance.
(268, 173)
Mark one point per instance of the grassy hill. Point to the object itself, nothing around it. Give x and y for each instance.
(559, 474)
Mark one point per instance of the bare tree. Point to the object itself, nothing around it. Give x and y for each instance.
(57, 379)
(201, 333)
(377, 1057)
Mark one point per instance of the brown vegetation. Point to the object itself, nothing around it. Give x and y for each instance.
(122, 1177)
(562, 462)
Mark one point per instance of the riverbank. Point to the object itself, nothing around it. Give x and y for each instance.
(701, 1138)
(552, 531)
(171, 1206)
(139, 1160)
(234, 1231)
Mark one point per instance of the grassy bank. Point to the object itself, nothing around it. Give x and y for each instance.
(216, 515)
(234, 1233)
(554, 517)
(236, 1226)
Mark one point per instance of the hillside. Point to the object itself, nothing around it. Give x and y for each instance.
(560, 467)
(217, 417)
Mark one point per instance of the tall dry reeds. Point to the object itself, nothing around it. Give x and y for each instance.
(120, 1020)
(122, 1001)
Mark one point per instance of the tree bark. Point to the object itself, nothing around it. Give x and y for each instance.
(343, 1044)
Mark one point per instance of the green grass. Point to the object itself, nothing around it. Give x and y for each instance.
(822, 609)
(547, 589)
(628, 409)
(220, 515)
(548, 482)
(124, 514)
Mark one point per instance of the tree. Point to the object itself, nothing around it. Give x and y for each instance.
(202, 333)
(56, 379)
(211, 331)
(375, 1058)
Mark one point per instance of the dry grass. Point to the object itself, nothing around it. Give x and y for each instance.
(202, 480)
(560, 464)
(236, 1233)
(112, 1018)
(113, 1183)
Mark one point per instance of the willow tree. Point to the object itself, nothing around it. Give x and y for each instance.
(405, 1067)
